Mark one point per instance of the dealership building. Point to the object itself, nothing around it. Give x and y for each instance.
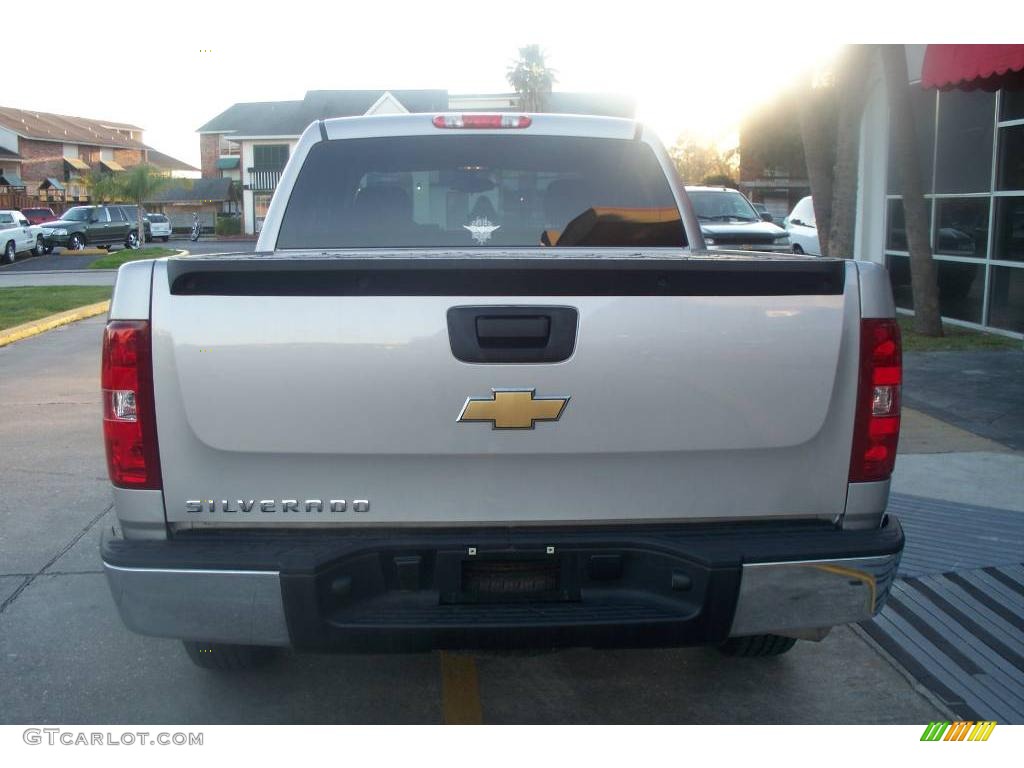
(968, 103)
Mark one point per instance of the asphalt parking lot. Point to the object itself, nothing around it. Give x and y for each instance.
(65, 656)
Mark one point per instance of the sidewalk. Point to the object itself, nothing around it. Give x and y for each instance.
(955, 617)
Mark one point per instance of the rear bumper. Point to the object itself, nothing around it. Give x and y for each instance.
(407, 591)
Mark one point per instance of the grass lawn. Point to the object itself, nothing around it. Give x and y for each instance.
(20, 305)
(116, 259)
(955, 339)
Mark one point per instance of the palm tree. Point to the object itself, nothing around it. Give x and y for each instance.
(532, 79)
(139, 185)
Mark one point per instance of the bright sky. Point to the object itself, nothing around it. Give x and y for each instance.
(693, 67)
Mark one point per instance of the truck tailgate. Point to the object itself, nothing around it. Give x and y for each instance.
(698, 389)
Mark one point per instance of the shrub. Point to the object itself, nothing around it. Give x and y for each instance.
(229, 225)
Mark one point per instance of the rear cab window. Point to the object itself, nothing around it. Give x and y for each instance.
(480, 191)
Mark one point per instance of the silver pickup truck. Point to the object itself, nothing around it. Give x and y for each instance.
(481, 385)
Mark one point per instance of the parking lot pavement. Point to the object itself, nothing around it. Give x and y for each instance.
(66, 657)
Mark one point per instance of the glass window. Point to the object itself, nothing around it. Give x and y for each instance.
(922, 104)
(1009, 234)
(961, 227)
(896, 227)
(1006, 304)
(6, 218)
(722, 205)
(961, 289)
(100, 216)
(261, 204)
(964, 162)
(1010, 171)
(474, 190)
(1011, 104)
(271, 157)
(899, 277)
(116, 215)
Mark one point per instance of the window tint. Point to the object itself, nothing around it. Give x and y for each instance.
(6, 218)
(1010, 173)
(101, 215)
(964, 153)
(472, 190)
(116, 215)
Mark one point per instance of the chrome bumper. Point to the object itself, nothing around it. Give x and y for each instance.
(242, 607)
(781, 598)
(247, 607)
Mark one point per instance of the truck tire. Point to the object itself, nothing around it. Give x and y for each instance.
(756, 645)
(9, 253)
(227, 657)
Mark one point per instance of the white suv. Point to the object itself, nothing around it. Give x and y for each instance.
(802, 228)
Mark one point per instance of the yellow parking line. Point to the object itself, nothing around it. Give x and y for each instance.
(460, 690)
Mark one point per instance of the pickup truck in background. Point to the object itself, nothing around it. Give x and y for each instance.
(482, 385)
(17, 235)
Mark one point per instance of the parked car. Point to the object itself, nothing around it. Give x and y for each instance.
(39, 215)
(630, 448)
(99, 225)
(728, 220)
(159, 227)
(18, 235)
(802, 229)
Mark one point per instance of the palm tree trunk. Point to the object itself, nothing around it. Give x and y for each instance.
(924, 281)
(845, 176)
(816, 130)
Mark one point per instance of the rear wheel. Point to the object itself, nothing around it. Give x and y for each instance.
(227, 657)
(9, 252)
(132, 241)
(756, 645)
(797, 248)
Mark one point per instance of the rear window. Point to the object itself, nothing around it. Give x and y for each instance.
(479, 191)
(157, 218)
(37, 212)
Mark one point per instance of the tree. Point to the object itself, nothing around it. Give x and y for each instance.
(531, 78)
(697, 162)
(849, 83)
(138, 185)
(924, 283)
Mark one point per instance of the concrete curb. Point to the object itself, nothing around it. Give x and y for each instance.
(43, 324)
(83, 252)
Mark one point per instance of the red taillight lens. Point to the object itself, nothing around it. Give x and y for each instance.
(129, 418)
(482, 121)
(876, 430)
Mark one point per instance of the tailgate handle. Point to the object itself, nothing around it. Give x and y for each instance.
(512, 334)
(513, 330)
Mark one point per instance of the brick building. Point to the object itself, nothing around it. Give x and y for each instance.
(50, 155)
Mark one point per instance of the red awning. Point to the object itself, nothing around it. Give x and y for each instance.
(967, 67)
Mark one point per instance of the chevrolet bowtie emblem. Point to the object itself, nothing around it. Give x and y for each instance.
(513, 408)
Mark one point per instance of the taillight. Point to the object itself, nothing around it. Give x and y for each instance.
(482, 121)
(877, 427)
(129, 417)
